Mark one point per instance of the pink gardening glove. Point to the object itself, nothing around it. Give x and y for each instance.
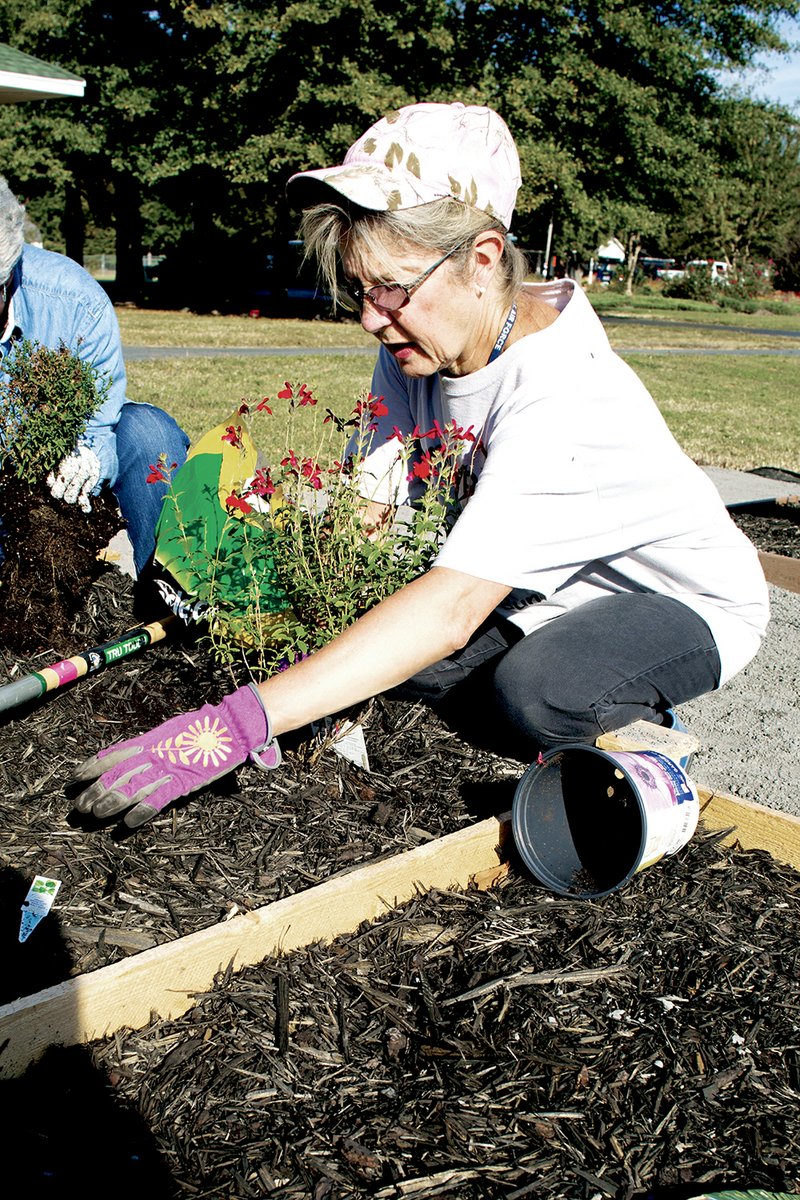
(186, 753)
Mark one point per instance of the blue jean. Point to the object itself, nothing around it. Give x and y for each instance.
(144, 432)
(620, 658)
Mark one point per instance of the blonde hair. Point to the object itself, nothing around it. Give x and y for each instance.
(443, 226)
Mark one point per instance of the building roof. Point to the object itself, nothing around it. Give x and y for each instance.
(23, 77)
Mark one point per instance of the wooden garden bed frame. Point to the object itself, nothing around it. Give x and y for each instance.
(167, 979)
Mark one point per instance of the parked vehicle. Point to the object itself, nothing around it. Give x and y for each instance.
(718, 269)
(287, 285)
(604, 271)
(654, 268)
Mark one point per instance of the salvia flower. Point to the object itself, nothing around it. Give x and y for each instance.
(234, 436)
(261, 484)
(239, 503)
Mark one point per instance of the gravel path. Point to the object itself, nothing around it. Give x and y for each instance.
(750, 729)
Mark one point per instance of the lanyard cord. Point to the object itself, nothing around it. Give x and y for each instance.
(502, 337)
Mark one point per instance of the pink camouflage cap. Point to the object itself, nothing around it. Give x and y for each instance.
(421, 153)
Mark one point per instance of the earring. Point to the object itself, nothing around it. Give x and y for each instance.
(481, 291)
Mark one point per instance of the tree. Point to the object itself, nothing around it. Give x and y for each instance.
(197, 111)
(745, 204)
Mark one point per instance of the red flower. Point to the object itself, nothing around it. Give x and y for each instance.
(310, 471)
(263, 406)
(291, 461)
(305, 396)
(234, 501)
(234, 436)
(261, 484)
(286, 393)
(244, 409)
(156, 475)
(373, 407)
(421, 469)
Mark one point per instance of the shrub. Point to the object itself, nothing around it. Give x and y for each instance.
(747, 280)
(291, 562)
(46, 399)
(694, 284)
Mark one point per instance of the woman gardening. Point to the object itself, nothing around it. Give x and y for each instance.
(593, 575)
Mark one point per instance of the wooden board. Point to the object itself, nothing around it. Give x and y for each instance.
(781, 571)
(753, 826)
(166, 979)
(643, 735)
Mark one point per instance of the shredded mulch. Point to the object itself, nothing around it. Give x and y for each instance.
(774, 527)
(469, 1045)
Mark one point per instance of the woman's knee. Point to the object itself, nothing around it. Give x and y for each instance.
(144, 431)
(545, 705)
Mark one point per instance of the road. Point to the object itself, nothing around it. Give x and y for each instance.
(146, 353)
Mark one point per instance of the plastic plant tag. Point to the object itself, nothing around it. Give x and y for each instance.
(345, 738)
(37, 904)
(349, 743)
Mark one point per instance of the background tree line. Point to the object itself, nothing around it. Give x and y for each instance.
(196, 113)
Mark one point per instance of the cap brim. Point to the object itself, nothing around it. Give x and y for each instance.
(366, 185)
(309, 188)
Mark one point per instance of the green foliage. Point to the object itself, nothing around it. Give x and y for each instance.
(695, 284)
(312, 558)
(743, 205)
(748, 280)
(196, 113)
(737, 291)
(46, 399)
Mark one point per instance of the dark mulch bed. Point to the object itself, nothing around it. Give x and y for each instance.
(774, 527)
(429, 1054)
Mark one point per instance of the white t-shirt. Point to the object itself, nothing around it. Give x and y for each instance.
(582, 491)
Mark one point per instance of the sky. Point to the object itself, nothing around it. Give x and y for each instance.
(777, 77)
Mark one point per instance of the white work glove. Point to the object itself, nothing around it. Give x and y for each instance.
(76, 478)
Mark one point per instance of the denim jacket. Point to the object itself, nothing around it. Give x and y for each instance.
(53, 301)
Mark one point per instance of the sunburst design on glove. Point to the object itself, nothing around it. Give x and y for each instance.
(204, 740)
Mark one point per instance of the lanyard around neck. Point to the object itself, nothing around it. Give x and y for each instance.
(502, 337)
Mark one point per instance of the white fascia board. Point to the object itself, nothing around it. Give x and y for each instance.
(15, 87)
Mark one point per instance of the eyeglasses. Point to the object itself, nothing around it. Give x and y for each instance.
(391, 296)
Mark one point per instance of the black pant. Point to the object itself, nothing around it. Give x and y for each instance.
(619, 658)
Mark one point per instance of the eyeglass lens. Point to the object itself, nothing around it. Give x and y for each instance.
(391, 296)
(386, 295)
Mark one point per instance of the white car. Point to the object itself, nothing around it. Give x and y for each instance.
(719, 270)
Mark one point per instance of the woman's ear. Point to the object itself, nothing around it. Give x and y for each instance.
(488, 250)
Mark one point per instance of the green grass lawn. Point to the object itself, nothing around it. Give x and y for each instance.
(724, 410)
(728, 412)
(156, 327)
(781, 311)
(200, 392)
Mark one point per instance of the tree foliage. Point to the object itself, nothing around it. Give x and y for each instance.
(197, 111)
(745, 203)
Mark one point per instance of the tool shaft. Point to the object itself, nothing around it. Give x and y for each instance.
(87, 662)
